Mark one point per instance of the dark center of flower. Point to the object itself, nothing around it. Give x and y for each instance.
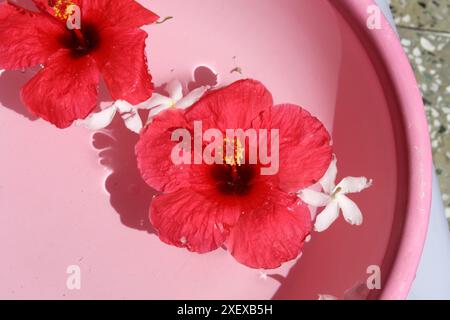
(81, 42)
(233, 179)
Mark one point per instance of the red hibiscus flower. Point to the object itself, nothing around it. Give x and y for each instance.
(259, 218)
(108, 42)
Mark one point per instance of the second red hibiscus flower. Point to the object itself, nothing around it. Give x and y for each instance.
(259, 218)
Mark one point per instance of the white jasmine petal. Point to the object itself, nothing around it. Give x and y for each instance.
(156, 100)
(156, 111)
(350, 210)
(1, 71)
(327, 297)
(353, 184)
(328, 180)
(100, 120)
(133, 121)
(175, 90)
(191, 98)
(327, 216)
(314, 198)
(123, 106)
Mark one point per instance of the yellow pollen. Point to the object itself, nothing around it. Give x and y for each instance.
(238, 156)
(63, 9)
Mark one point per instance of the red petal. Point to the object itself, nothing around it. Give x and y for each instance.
(117, 13)
(233, 107)
(305, 151)
(43, 5)
(272, 234)
(153, 153)
(65, 90)
(123, 64)
(192, 220)
(26, 38)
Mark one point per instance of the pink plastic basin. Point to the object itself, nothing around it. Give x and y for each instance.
(75, 198)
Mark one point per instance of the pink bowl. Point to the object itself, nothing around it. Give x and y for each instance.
(75, 198)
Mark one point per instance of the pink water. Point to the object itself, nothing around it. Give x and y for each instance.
(75, 198)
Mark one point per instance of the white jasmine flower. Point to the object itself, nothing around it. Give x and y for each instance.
(158, 103)
(334, 198)
(102, 119)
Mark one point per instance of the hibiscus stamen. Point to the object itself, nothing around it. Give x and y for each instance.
(63, 9)
(81, 38)
(238, 151)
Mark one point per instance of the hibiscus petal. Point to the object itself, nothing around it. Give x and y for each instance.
(154, 151)
(100, 120)
(327, 216)
(191, 98)
(175, 90)
(65, 90)
(122, 62)
(26, 38)
(117, 13)
(353, 184)
(192, 220)
(328, 180)
(43, 5)
(272, 234)
(233, 107)
(305, 152)
(350, 210)
(156, 100)
(314, 198)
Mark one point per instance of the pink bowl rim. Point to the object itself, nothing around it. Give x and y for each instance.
(419, 158)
